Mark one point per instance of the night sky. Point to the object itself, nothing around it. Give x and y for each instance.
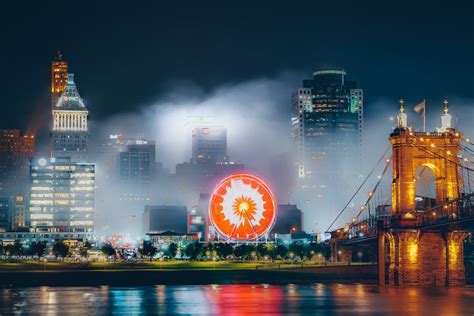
(127, 55)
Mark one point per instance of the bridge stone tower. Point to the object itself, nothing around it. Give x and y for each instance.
(415, 256)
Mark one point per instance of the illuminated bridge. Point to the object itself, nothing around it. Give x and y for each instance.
(418, 233)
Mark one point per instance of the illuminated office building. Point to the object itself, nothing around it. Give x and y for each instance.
(327, 123)
(70, 133)
(59, 73)
(327, 120)
(62, 196)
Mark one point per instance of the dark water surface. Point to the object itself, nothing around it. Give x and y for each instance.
(317, 299)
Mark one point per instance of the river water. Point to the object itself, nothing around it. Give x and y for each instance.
(262, 299)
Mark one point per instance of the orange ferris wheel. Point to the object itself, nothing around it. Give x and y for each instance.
(242, 207)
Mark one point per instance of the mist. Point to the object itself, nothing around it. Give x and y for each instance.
(256, 114)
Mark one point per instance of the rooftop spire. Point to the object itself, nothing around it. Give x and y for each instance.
(445, 119)
(402, 109)
(59, 56)
(402, 116)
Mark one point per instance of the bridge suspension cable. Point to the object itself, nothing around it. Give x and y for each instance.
(387, 165)
(359, 188)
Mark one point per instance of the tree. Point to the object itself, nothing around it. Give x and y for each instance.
(173, 249)
(224, 250)
(242, 251)
(14, 250)
(297, 249)
(84, 249)
(318, 249)
(262, 250)
(60, 249)
(271, 249)
(38, 249)
(281, 251)
(193, 250)
(108, 250)
(148, 250)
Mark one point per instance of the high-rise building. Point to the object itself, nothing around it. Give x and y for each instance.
(327, 121)
(59, 74)
(209, 144)
(5, 213)
(19, 217)
(62, 196)
(16, 151)
(70, 133)
(327, 118)
(109, 154)
(137, 163)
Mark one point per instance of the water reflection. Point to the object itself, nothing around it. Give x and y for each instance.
(267, 299)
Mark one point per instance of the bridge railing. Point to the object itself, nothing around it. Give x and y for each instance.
(450, 211)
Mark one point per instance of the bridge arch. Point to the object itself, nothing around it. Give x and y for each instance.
(437, 151)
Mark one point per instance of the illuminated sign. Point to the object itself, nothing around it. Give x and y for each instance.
(42, 162)
(116, 136)
(242, 207)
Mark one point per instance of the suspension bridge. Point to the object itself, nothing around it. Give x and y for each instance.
(417, 232)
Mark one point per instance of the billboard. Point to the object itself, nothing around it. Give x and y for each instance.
(242, 207)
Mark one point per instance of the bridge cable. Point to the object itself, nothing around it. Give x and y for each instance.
(375, 188)
(359, 188)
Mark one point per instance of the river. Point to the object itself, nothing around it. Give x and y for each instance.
(262, 299)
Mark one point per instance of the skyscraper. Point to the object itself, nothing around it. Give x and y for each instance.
(59, 73)
(327, 120)
(62, 196)
(209, 144)
(70, 134)
(16, 151)
(137, 163)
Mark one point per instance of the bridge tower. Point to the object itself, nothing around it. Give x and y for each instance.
(412, 255)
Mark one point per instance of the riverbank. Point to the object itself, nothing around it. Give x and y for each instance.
(23, 275)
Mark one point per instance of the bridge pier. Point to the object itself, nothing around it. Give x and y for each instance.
(413, 257)
(340, 253)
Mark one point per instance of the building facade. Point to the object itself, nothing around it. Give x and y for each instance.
(70, 132)
(5, 213)
(289, 220)
(137, 162)
(59, 74)
(16, 151)
(209, 144)
(327, 124)
(62, 196)
(160, 218)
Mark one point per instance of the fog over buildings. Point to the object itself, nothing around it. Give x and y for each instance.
(256, 114)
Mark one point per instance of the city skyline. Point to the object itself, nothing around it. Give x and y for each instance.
(216, 158)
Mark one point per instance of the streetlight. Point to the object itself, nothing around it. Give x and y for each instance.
(359, 254)
(291, 254)
(161, 260)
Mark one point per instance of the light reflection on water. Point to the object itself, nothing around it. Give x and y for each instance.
(313, 299)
